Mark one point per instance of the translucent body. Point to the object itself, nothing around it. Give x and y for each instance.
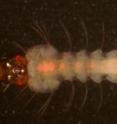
(46, 67)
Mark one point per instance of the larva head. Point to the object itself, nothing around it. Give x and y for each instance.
(16, 70)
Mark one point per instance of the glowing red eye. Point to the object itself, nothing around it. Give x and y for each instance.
(18, 57)
(21, 80)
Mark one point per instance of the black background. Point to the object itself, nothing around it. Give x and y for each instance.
(70, 25)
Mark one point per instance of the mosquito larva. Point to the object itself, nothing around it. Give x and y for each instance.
(43, 67)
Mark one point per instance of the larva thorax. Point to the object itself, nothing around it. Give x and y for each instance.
(46, 67)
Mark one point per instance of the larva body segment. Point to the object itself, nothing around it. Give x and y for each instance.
(95, 72)
(80, 66)
(39, 81)
(46, 67)
(111, 65)
(67, 61)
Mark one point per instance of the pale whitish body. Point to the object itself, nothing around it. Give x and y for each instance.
(80, 65)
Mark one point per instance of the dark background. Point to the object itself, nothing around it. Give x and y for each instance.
(69, 25)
